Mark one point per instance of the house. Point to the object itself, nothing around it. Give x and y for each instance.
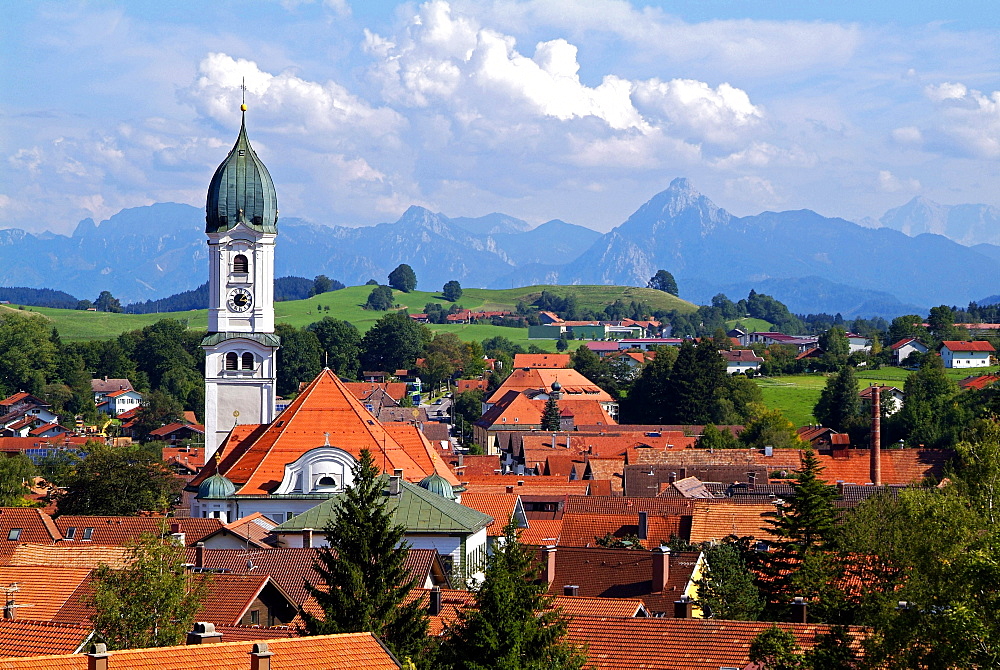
(902, 349)
(857, 342)
(433, 519)
(104, 386)
(179, 432)
(890, 398)
(22, 413)
(343, 651)
(306, 455)
(740, 361)
(976, 354)
(119, 402)
(801, 343)
(978, 382)
(603, 348)
(20, 637)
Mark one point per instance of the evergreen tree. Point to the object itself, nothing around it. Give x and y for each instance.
(403, 278)
(150, 603)
(839, 405)
(550, 417)
(512, 625)
(299, 358)
(365, 583)
(803, 527)
(836, 348)
(928, 414)
(727, 589)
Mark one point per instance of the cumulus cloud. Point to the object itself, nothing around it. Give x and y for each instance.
(890, 183)
(968, 120)
(945, 91)
(907, 135)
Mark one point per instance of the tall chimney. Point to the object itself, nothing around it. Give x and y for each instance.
(307, 538)
(684, 608)
(550, 564)
(203, 633)
(643, 525)
(97, 657)
(199, 555)
(800, 610)
(661, 569)
(260, 657)
(876, 446)
(434, 605)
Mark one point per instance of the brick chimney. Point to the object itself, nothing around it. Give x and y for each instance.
(307, 538)
(800, 610)
(571, 590)
(260, 657)
(661, 569)
(643, 526)
(550, 564)
(97, 657)
(684, 608)
(203, 633)
(199, 555)
(434, 605)
(510, 489)
(876, 446)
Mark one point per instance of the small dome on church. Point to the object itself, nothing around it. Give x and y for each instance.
(556, 386)
(216, 486)
(241, 192)
(435, 483)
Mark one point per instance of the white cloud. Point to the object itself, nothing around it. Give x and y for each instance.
(969, 120)
(890, 183)
(763, 154)
(907, 135)
(946, 91)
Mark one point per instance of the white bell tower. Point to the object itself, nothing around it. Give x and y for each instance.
(240, 349)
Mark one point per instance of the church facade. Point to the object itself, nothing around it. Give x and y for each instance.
(241, 219)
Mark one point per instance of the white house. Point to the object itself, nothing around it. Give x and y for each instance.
(890, 397)
(857, 342)
(739, 361)
(119, 402)
(957, 354)
(906, 346)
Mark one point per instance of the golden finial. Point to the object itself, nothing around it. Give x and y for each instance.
(243, 86)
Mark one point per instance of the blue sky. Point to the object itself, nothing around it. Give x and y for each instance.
(540, 109)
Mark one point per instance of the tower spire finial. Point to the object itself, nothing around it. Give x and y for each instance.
(243, 87)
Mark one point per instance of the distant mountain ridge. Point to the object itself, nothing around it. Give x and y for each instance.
(965, 224)
(810, 262)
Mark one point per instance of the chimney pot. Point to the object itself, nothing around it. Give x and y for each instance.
(571, 590)
(800, 610)
(684, 608)
(434, 606)
(260, 657)
(307, 538)
(203, 633)
(397, 472)
(550, 564)
(661, 569)
(394, 486)
(510, 489)
(97, 657)
(199, 555)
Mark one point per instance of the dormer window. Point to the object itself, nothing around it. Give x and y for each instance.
(241, 265)
(232, 361)
(70, 533)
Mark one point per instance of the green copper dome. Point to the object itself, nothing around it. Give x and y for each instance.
(435, 483)
(241, 192)
(216, 486)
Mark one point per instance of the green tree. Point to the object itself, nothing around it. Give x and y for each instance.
(150, 603)
(56, 467)
(512, 624)
(596, 369)
(776, 649)
(403, 278)
(836, 348)
(550, 416)
(16, 473)
(362, 580)
(380, 299)
(27, 353)
(468, 408)
(727, 589)
(394, 342)
(663, 281)
(340, 344)
(941, 324)
(157, 409)
(321, 284)
(452, 291)
(713, 438)
(929, 415)
(118, 481)
(649, 398)
(107, 303)
(770, 428)
(804, 527)
(299, 358)
(839, 405)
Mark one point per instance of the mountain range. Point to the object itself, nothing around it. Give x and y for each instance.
(810, 262)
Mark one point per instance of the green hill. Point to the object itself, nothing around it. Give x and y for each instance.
(347, 304)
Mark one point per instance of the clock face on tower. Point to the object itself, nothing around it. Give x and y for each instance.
(240, 300)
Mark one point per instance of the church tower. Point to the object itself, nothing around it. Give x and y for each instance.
(241, 217)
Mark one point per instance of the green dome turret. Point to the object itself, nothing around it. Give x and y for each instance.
(216, 486)
(435, 483)
(241, 191)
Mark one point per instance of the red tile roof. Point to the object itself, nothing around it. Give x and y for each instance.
(978, 382)
(362, 390)
(36, 527)
(69, 555)
(627, 505)
(583, 530)
(345, 651)
(899, 466)
(43, 592)
(229, 596)
(477, 466)
(541, 532)
(163, 431)
(677, 644)
(500, 506)
(24, 637)
(119, 530)
(541, 361)
(573, 383)
(980, 345)
(714, 521)
(903, 342)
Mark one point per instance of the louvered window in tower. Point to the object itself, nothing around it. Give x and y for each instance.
(232, 361)
(240, 264)
(247, 361)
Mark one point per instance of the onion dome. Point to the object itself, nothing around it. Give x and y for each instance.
(216, 486)
(556, 386)
(241, 191)
(435, 483)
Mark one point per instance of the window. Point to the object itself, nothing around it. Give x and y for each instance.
(247, 361)
(255, 617)
(289, 516)
(240, 264)
(232, 361)
(327, 481)
(70, 533)
(14, 535)
(88, 533)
